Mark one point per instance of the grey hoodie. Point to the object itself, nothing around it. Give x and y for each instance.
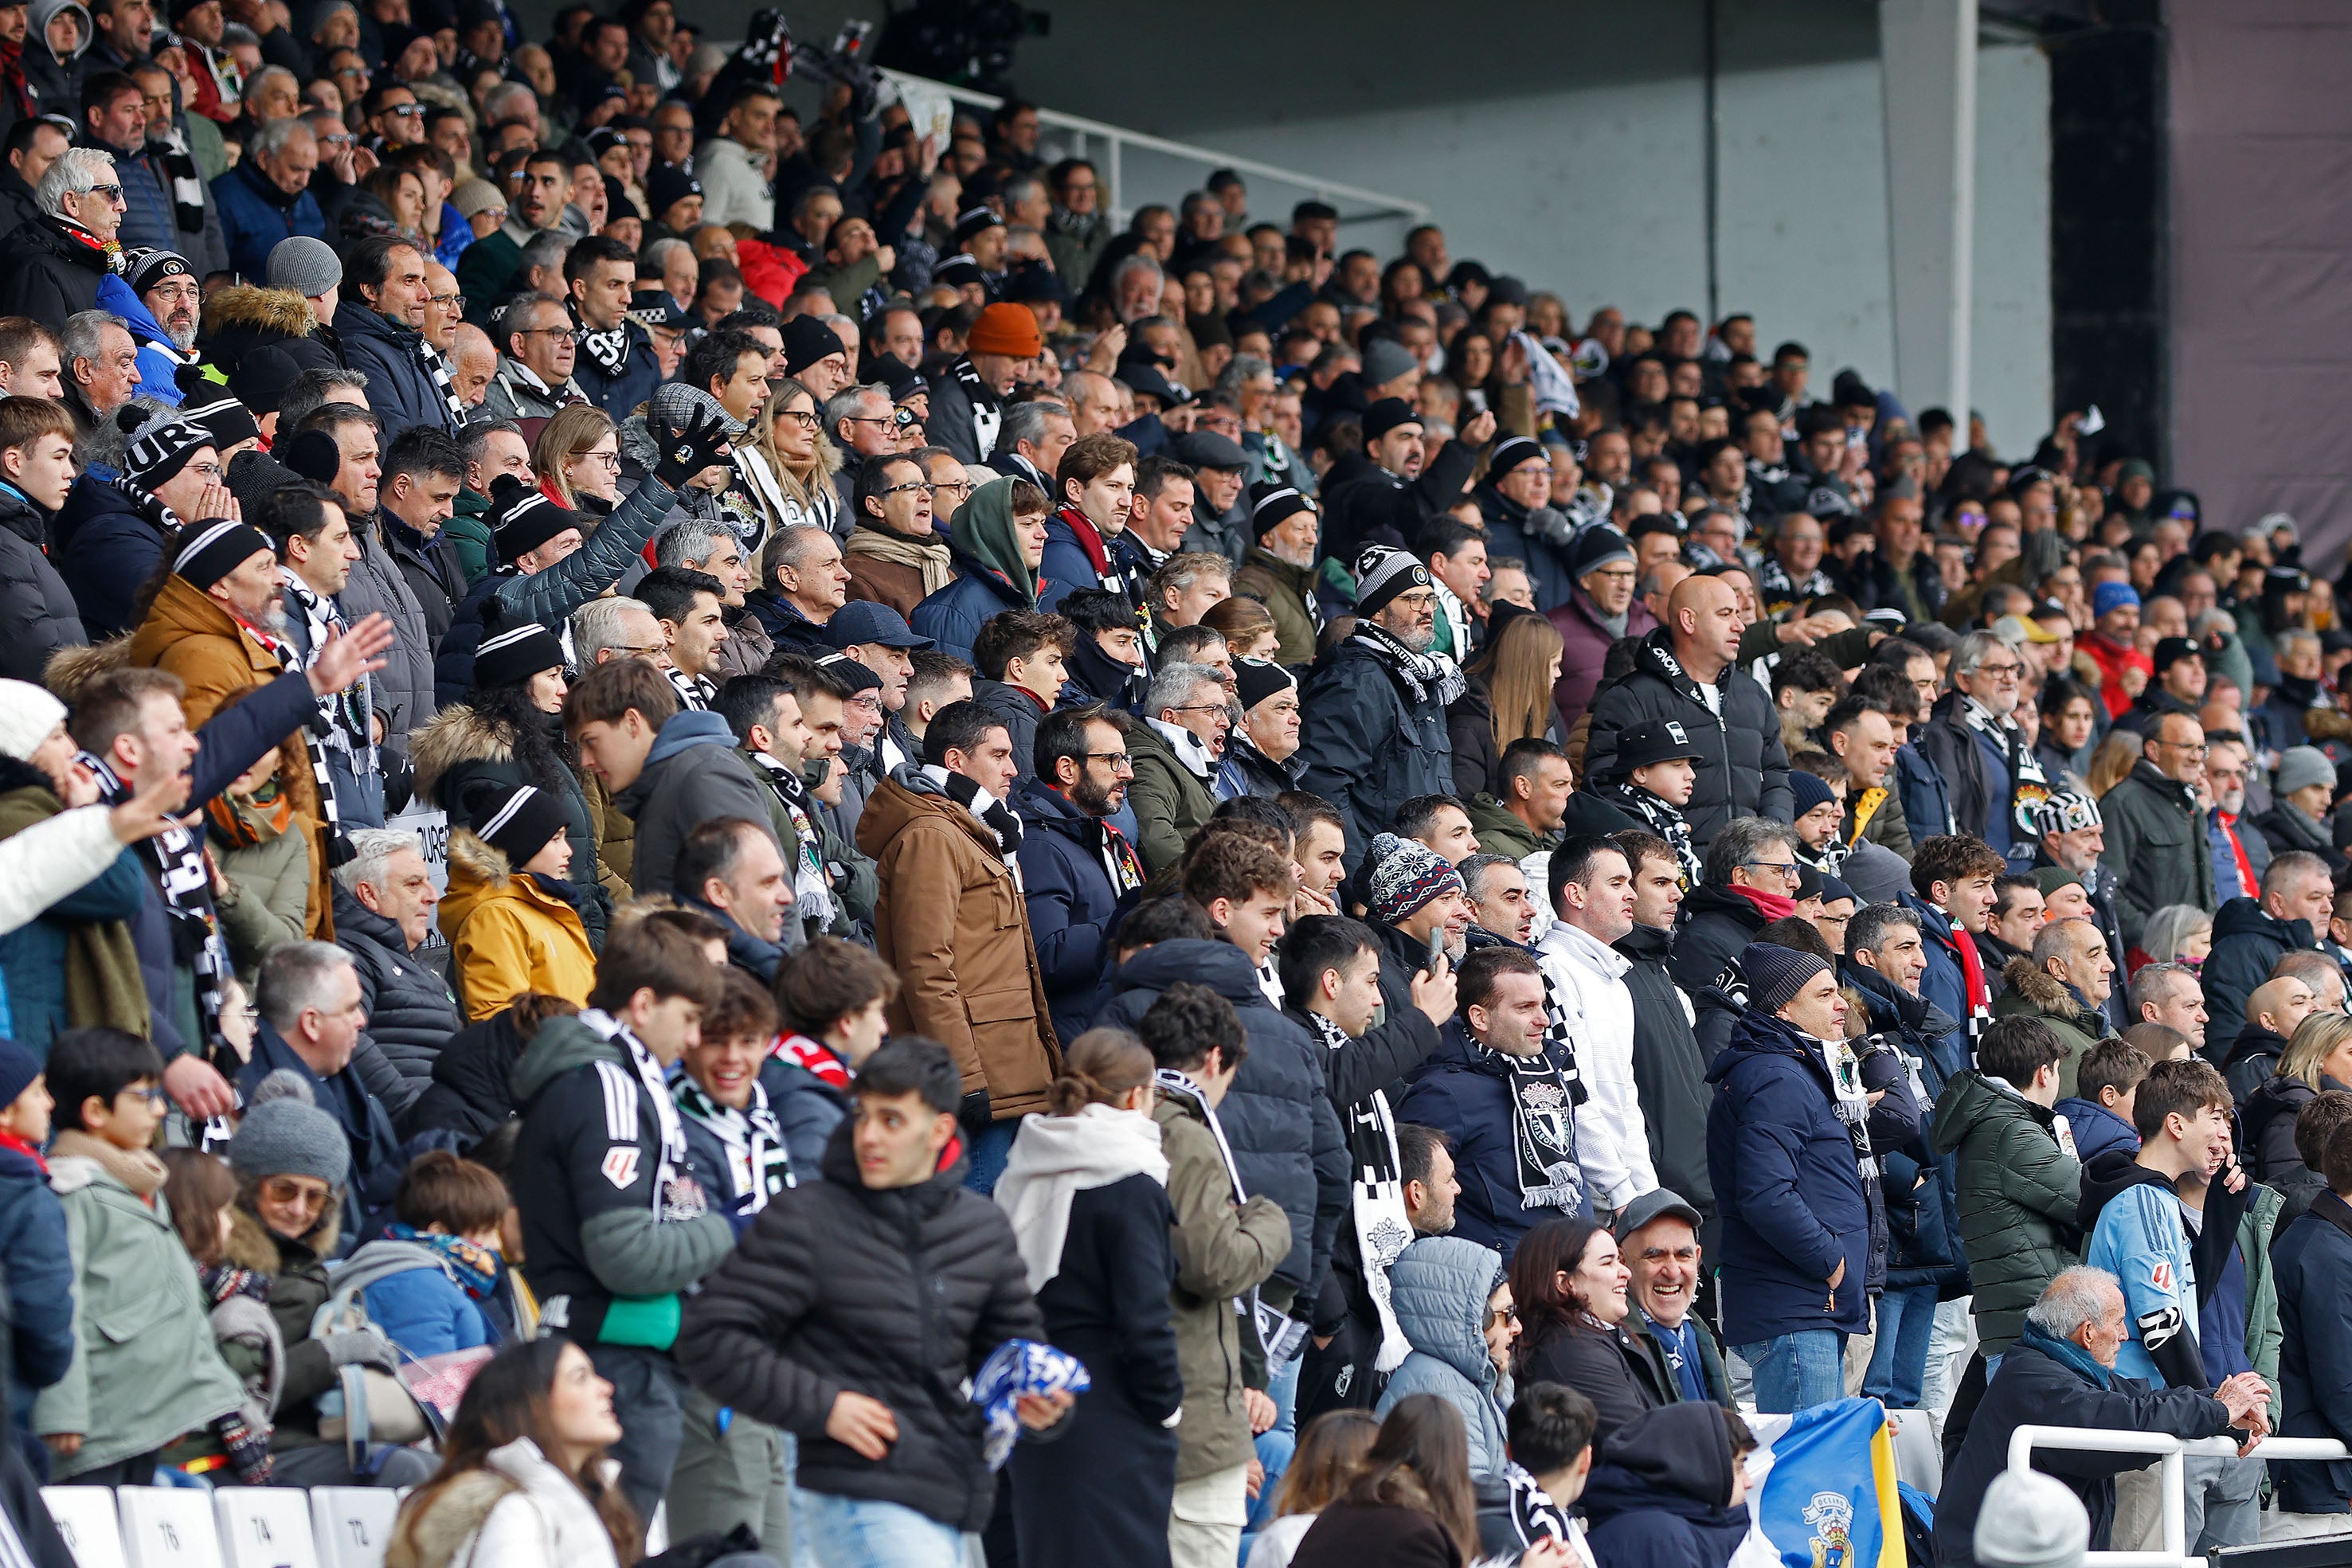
(693, 774)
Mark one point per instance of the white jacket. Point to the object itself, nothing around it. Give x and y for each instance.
(51, 859)
(1588, 979)
(550, 1523)
(735, 187)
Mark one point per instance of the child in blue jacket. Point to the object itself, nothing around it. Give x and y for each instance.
(439, 1261)
(2100, 1111)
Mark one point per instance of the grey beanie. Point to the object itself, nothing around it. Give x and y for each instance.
(284, 1132)
(2300, 767)
(2028, 1521)
(307, 266)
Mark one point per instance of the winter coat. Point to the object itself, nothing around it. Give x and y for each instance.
(693, 774)
(471, 1094)
(402, 690)
(398, 387)
(77, 964)
(256, 214)
(1656, 1495)
(509, 933)
(192, 636)
(1223, 1250)
(144, 1367)
(243, 317)
(55, 276)
(1465, 1089)
(517, 1511)
(1501, 833)
(898, 1294)
(1373, 1535)
(620, 392)
(1787, 1188)
(460, 749)
(2268, 1118)
(34, 604)
(1715, 926)
(2035, 1387)
(1072, 904)
(104, 546)
(2247, 941)
(269, 892)
(951, 922)
(1669, 1070)
(1438, 1287)
(2312, 1261)
(1288, 593)
(2017, 1192)
(2155, 848)
(421, 1307)
(353, 1099)
(1369, 748)
(1100, 1491)
(1170, 801)
(1742, 772)
(2034, 992)
(1018, 712)
(954, 615)
(1577, 620)
(410, 1010)
(37, 1256)
(2097, 1129)
(1286, 1138)
(1620, 1369)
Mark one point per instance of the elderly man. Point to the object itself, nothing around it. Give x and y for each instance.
(2073, 837)
(1374, 706)
(804, 582)
(2155, 829)
(2251, 935)
(2060, 1372)
(61, 257)
(1983, 757)
(384, 905)
(101, 368)
(266, 197)
(1657, 1240)
(1686, 671)
(1176, 751)
(537, 352)
(2064, 982)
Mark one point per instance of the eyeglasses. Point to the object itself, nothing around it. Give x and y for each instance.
(801, 417)
(448, 301)
(288, 1192)
(205, 470)
(1998, 671)
(405, 111)
(1788, 871)
(910, 485)
(342, 138)
(1204, 707)
(609, 459)
(1121, 762)
(157, 1098)
(890, 418)
(112, 193)
(2196, 750)
(1421, 600)
(960, 486)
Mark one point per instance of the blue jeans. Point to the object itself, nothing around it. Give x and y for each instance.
(830, 1532)
(1898, 1362)
(1274, 1445)
(1797, 1371)
(988, 1151)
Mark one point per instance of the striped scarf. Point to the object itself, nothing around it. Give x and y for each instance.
(338, 848)
(177, 857)
(438, 368)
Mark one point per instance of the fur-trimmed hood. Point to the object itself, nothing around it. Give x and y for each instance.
(479, 862)
(429, 1537)
(2045, 992)
(451, 737)
(269, 312)
(70, 670)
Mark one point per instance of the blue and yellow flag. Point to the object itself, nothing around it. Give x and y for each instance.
(1829, 1499)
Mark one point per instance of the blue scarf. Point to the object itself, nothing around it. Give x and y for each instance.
(477, 1266)
(2069, 1355)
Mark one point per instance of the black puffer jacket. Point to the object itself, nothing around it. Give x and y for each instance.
(1277, 1117)
(898, 1294)
(1715, 927)
(34, 604)
(1367, 751)
(472, 1092)
(410, 1013)
(1669, 1069)
(1743, 771)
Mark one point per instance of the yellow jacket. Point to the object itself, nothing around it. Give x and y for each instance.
(508, 935)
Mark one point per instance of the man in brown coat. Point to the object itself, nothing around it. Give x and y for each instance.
(894, 556)
(952, 921)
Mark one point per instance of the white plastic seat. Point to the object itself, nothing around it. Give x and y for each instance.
(351, 1525)
(168, 1527)
(88, 1519)
(264, 1527)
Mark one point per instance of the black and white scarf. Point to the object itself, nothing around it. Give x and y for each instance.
(811, 896)
(290, 658)
(608, 349)
(1543, 1130)
(987, 408)
(758, 1165)
(1424, 678)
(1282, 1335)
(995, 816)
(344, 712)
(1662, 818)
(2028, 786)
(437, 369)
(677, 1196)
(1383, 1229)
(1779, 591)
(177, 857)
(1534, 1515)
(1852, 1101)
(693, 691)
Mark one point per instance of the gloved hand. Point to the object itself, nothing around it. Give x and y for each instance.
(688, 452)
(974, 1111)
(362, 1346)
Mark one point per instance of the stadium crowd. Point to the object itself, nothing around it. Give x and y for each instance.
(917, 878)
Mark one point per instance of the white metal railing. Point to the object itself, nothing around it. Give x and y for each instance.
(2173, 1552)
(1116, 142)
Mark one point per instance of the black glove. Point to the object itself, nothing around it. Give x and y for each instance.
(973, 1112)
(689, 451)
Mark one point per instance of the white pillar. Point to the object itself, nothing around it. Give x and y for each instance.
(1927, 55)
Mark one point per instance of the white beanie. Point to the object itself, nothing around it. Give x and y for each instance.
(29, 715)
(2028, 1521)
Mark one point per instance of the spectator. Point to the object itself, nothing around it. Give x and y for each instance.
(1684, 671)
(125, 1399)
(2155, 829)
(2017, 1185)
(1570, 1285)
(1411, 1504)
(1022, 659)
(2314, 1124)
(1597, 612)
(1751, 879)
(1374, 706)
(1952, 894)
(1669, 1070)
(830, 1000)
(2301, 796)
(1657, 1241)
(1551, 1436)
(2318, 1060)
(731, 870)
(1974, 742)
(1672, 1488)
(2063, 1371)
(1797, 1223)
(36, 471)
(2237, 1331)
(1523, 814)
(1653, 782)
(512, 928)
(2250, 937)
(2064, 984)
(1176, 751)
(2172, 995)
(438, 1261)
(1591, 902)
(1330, 1450)
(1076, 869)
(384, 901)
(997, 539)
(2099, 1112)
(610, 1258)
(2074, 838)
(1453, 1303)
(34, 1241)
(951, 921)
(895, 555)
(1506, 694)
(1093, 487)
(1280, 571)
(2312, 1262)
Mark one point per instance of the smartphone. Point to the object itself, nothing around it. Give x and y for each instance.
(1436, 945)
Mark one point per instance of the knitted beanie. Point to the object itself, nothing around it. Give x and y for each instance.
(1405, 875)
(1809, 791)
(2030, 1520)
(1382, 574)
(284, 1132)
(18, 1068)
(29, 715)
(1776, 973)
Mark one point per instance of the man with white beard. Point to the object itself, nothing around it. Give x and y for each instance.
(2073, 838)
(166, 285)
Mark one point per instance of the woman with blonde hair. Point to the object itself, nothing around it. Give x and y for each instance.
(791, 465)
(1506, 696)
(578, 460)
(2317, 1058)
(2175, 934)
(1086, 1188)
(2114, 760)
(1247, 625)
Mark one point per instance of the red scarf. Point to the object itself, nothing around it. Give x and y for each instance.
(1770, 905)
(2246, 880)
(1972, 969)
(31, 1151)
(1090, 538)
(816, 1056)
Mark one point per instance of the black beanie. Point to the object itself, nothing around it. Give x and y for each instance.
(512, 657)
(515, 819)
(210, 551)
(1255, 680)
